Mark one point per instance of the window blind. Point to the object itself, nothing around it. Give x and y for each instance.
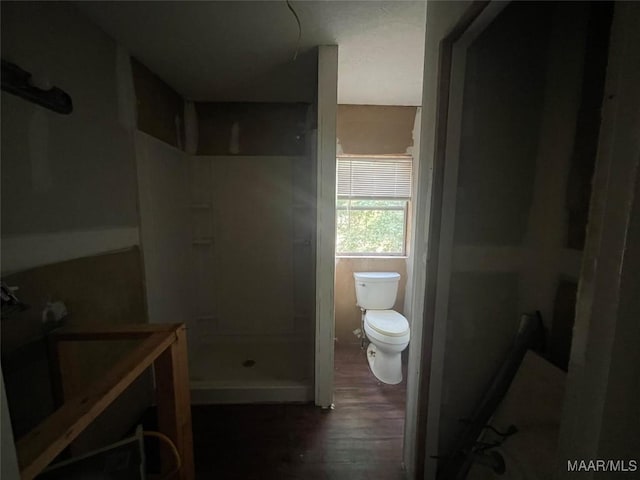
(374, 177)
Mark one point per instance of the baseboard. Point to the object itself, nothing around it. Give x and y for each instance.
(208, 393)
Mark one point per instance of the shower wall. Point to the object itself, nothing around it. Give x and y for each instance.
(253, 196)
(164, 229)
(253, 236)
(249, 279)
(228, 249)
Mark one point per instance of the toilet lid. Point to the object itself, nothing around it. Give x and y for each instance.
(387, 322)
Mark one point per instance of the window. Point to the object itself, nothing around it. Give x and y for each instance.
(372, 205)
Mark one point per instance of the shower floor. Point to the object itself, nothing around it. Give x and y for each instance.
(239, 370)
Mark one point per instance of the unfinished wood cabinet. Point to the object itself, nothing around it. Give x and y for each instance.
(162, 346)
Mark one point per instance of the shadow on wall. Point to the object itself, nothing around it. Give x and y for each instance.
(347, 314)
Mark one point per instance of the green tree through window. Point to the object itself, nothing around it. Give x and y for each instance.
(373, 227)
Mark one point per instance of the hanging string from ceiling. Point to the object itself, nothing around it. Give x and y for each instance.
(295, 55)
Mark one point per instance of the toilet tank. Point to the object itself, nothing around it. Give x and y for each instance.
(376, 290)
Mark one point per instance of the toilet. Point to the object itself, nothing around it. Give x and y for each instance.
(386, 329)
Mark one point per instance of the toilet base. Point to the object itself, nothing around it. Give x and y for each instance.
(386, 367)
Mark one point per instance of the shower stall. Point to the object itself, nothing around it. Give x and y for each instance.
(229, 249)
(252, 236)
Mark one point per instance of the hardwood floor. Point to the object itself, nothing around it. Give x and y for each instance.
(360, 439)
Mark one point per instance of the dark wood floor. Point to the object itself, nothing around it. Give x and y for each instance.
(360, 439)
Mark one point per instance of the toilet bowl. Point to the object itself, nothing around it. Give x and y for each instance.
(387, 330)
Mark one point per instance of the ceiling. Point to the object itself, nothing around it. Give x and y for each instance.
(243, 50)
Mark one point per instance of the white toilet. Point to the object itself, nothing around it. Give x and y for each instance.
(387, 330)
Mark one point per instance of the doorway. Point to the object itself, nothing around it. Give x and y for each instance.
(375, 233)
(522, 86)
(373, 123)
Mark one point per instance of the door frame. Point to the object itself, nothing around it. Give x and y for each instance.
(439, 234)
(598, 409)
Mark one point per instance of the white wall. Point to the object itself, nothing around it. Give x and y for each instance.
(64, 177)
(165, 229)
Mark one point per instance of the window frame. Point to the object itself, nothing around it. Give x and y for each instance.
(405, 208)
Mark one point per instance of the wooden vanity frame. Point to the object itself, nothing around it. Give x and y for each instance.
(163, 346)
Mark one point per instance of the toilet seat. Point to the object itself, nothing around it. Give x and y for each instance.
(388, 323)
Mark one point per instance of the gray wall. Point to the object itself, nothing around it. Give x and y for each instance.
(521, 98)
(503, 94)
(64, 172)
(600, 418)
(68, 192)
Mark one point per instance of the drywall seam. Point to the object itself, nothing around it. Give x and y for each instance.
(21, 252)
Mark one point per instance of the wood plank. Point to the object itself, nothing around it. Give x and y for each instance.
(40, 446)
(173, 398)
(112, 332)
